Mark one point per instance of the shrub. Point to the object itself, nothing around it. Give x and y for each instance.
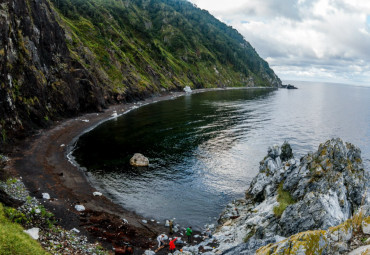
(284, 198)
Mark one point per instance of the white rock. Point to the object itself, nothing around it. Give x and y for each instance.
(125, 221)
(33, 232)
(80, 208)
(62, 145)
(167, 224)
(45, 196)
(75, 230)
(187, 89)
(85, 121)
(149, 252)
(145, 221)
(366, 228)
(361, 251)
(96, 193)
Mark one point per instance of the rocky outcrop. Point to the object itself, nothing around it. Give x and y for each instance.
(336, 240)
(39, 79)
(139, 160)
(321, 190)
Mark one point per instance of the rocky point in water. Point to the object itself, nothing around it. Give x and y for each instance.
(318, 192)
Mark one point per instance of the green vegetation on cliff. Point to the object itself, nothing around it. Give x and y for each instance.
(160, 43)
(60, 58)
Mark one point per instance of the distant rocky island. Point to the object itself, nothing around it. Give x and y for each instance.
(288, 86)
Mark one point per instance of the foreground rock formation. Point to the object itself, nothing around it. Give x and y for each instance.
(320, 191)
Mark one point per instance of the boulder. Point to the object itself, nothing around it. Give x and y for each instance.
(289, 196)
(33, 232)
(139, 160)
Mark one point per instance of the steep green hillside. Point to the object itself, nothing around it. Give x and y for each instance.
(63, 57)
(167, 43)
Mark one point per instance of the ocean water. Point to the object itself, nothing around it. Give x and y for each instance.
(204, 149)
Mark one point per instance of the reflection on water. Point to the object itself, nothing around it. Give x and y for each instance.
(205, 148)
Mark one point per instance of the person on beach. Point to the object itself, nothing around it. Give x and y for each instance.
(160, 240)
(171, 227)
(172, 244)
(208, 233)
(189, 233)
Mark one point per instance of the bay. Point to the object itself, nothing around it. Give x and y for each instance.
(205, 148)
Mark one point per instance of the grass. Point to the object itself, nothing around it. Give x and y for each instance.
(284, 198)
(14, 241)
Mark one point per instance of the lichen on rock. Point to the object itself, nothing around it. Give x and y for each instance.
(326, 188)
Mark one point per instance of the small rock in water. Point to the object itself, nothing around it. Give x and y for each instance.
(33, 232)
(45, 196)
(96, 193)
(80, 208)
(114, 114)
(139, 160)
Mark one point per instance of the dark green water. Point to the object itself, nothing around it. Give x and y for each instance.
(204, 149)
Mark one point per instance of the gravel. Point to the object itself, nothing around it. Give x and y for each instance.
(52, 237)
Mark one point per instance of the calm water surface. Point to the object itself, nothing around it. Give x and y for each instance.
(204, 149)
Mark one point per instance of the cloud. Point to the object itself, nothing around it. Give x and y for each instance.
(324, 39)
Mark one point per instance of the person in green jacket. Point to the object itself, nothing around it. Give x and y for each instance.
(189, 233)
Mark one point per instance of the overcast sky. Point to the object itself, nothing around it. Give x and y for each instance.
(309, 40)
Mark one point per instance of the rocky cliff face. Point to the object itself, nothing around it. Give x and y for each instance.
(39, 79)
(321, 190)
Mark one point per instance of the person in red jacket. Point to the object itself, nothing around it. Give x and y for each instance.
(172, 245)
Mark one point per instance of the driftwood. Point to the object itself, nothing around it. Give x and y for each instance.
(160, 248)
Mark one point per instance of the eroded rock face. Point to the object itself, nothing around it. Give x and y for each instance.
(39, 79)
(139, 160)
(326, 188)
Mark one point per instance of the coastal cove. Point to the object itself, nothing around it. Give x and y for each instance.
(198, 165)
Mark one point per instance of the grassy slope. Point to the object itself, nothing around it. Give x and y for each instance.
(14, 241)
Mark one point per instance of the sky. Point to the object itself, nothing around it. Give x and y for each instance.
(305, 40)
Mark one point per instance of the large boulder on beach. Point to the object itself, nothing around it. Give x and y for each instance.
(288, 196)
(139, 160)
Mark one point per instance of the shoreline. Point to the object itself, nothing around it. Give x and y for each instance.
(43, 164)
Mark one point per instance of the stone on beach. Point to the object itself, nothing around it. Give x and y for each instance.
(33, 232)
(80, 208)
(45, 196)
(139, 160)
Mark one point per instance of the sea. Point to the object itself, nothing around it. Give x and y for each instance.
(205, 148)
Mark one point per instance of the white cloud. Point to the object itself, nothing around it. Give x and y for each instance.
(324, 40)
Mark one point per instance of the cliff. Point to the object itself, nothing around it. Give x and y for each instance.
(315, 194)
(60, 58)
